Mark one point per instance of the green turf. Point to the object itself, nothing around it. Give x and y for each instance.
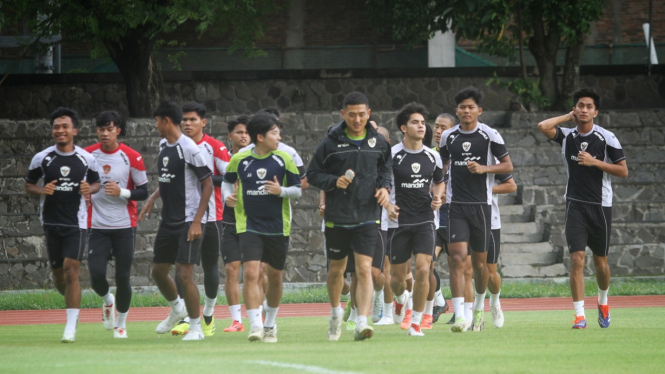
(50, 299)
(530, 342)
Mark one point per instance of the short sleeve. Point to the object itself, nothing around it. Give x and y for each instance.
(444, 155)
(137, 169)
(561, 134)
(221, 159)
(92, 175)
(292, 174)
(613, 147)
(438, 175)
(502, 178)
(35, 171)
(497, 145)
(194, 159)
(231, 175)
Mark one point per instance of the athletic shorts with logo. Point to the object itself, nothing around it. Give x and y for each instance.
(588, 225)
(230, 243)
(470, 223)
(64, 242)
(270, 249)
(410, 240)
(171, 245)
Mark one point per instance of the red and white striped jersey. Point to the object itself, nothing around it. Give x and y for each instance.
(125, 167)
(217, 157)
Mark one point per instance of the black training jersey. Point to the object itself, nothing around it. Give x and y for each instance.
(482, 145)
(180, 167)
(588, 184)
(413, 173)
(66, 207)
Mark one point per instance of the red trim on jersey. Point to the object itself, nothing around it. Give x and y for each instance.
(97, 146)
(218, 151)
(135, 159)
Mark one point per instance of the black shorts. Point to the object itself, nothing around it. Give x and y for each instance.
(270, 249)
(588, 225)
(380, 250)
(230, 244)
(470, 223)
(495, 247)
(442, 240)
(64, 242)
(212, 240)
(171, 245)
(343, 242)
(106, 243)
(411, 240)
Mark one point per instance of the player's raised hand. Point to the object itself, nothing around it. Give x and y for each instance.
(272, 187)
(436, 202)
(194, 232)
(49, 188)
(232, 200)
(382, 197)
(475, 168)
(112, 188)
(85, 188)
(393, 212)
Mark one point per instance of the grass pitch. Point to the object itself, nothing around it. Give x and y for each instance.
(530, 342)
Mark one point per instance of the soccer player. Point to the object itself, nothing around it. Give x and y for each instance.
(416, 169)
(185, 187)
(591, 154)
(471, 148)
(267, 178)
(69, 173)
(112, 218)
(352, 165)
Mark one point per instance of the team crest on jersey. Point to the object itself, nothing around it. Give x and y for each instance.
(107, 169)
(372, 142)
(466, 146)
(64, 171)
(261, 173)
(165, 161)
(415, 167)
(584, 146)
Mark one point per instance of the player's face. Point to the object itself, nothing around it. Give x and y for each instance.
(239, 137)
(585, 110)
(442, 124)
(162, 125)
(108, 135)
(63, 131)
(356, 117)
(415, 127)
(192, 124)
(271, 139)
(468, 111)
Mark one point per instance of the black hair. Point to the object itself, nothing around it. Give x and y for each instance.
(169, 109)
(271, 110)
(355, 98)
(260, 124)
(429, 136)
(242, 120)
(193, 106)
(65, 112)
(108, 117)
(407, 110)
(449, 117)
(587, 92)
(470, 93)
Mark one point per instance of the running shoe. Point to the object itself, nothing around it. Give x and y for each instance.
(350, 325)
(459, 325)
(579, 322)
(604, 316)
(406, 322)
(347, 311)
(414, 330)
(108, 315)
(426, 322)
(182, 328)
(270, 334)
(68, 337)
(377, 307)
(438, 311)
(208, 329)
(363, 331)
(170, 321)
(385, 320)
(194, 335)
(497, 316)
(255, 334)
(335, 329)
(120, 333)
(399, 311)
(478, 320)
(235, 327)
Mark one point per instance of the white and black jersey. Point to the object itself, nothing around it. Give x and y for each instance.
(588, 184)
(66, 207)
(180, 167)
(413, 173)
(483, 145)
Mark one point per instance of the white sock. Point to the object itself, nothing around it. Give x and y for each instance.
(209, 307)
(254, 316)
(579, 308)
(417, 316)
(108, 299)
(479, 301)
(361, 320)
(602, 296)
(235, 313)
(388, 310)
(439, 299)
(336, 312)
(177, 305)
(72, 319)
(353, 315)
(265, 304)
(409, 303)
(271, 314)
(429, 307)
(195, 324)
(494, 299)
(378, 294)
(401, 298)
(121, 320)
(468, 311)
(458, 307)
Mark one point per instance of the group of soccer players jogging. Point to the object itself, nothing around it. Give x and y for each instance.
(383, 207)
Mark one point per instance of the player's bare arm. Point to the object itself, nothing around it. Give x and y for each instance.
(195, 231)
(439, 191)
(548, 126)
(36, 190)
(506, 187)
(382, 196)
(148, 205)
(620, 169)
(504, 166)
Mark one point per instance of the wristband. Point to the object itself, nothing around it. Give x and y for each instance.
(125, 193)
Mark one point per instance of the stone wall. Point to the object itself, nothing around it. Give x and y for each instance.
(534, 243)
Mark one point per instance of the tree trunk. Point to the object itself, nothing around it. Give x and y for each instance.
(571, 75)
(544, 45)
(143, 80)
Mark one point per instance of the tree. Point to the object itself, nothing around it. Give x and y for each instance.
(130, 30)
(498, 27)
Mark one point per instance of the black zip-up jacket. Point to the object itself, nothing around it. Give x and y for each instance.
(371, 162)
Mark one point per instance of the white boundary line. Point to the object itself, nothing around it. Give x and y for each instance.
(306, 368)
